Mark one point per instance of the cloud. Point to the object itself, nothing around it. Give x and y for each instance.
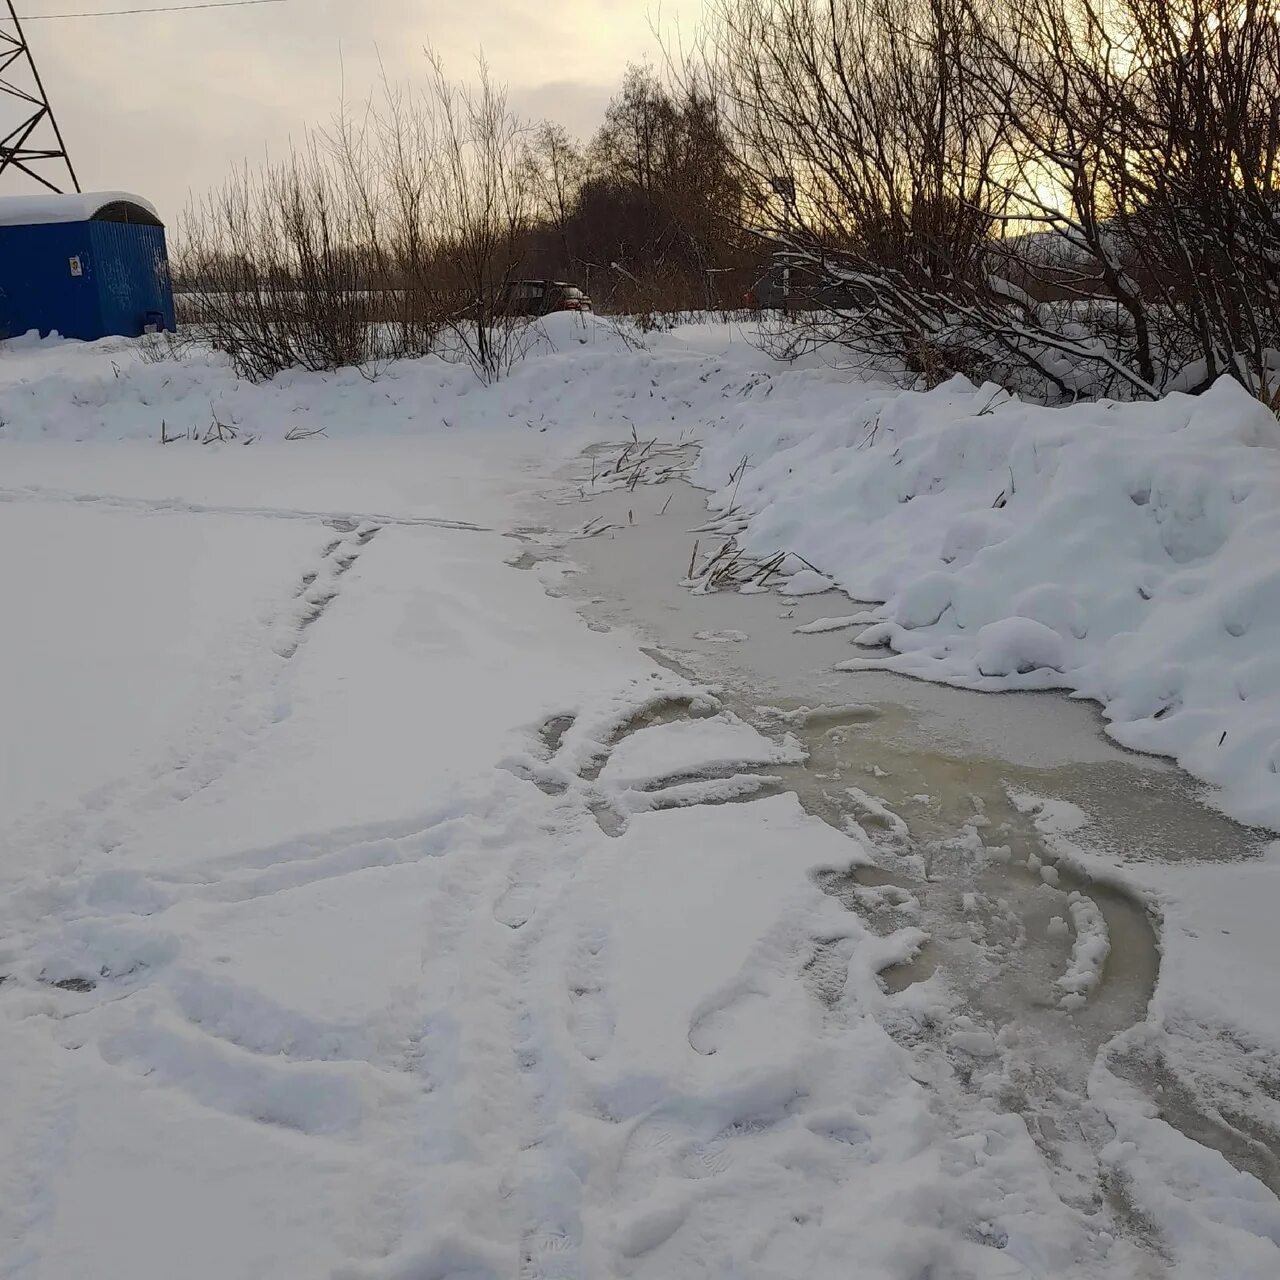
(576, 104)
(165, 103)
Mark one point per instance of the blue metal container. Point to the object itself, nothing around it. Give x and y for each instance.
(83, 266)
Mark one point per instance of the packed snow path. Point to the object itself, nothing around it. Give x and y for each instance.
(373, 907)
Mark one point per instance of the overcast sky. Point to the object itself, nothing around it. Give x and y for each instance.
(160, 104)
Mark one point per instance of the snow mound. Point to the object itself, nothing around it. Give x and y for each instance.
(807, 582)
(686, 747)
(1014, 646)
(924, 601)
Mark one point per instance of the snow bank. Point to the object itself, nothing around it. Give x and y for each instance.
(1127, 552)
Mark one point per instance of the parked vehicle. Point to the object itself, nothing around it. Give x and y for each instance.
(541, 298)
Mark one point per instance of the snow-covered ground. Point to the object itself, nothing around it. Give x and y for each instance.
(363, 913)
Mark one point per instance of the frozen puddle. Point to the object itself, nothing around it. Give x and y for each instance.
(958, 795)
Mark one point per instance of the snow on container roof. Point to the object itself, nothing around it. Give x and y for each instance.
(110, 206)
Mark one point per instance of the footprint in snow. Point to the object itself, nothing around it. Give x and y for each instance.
(591, 1017)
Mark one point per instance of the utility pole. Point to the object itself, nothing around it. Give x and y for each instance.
(17, 148)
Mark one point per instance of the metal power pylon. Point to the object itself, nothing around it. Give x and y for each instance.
(21, 146)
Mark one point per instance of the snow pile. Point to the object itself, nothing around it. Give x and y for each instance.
(692, 747)
(1088, 953)
(1015, 646)
(1128, 552)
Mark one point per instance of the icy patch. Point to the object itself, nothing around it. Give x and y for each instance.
(820, 625)
(727, 636)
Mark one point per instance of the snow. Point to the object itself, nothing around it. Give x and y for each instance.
(34, 210)
(365, 914)
(1088, 953)
(819, 625)
(806, 583)
(160, 637)
(1015, 646)
(667, 750)
(1126, 552)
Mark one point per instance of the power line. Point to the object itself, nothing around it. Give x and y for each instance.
(168, 8)
(21, 147)
(25, 147)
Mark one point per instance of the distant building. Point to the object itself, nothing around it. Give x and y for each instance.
(84, 266)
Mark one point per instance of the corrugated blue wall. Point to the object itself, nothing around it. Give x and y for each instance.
(124, 281)
(131, 270)
(37, 289)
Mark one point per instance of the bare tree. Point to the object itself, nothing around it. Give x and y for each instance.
(1137, 166)
(481, 206)
(393, 232)
(1141, 138)
(556, 171)
(661, 198)
(869, 154)
(1073, 196)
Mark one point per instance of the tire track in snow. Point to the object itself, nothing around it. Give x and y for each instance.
(35, 493)
(233, 725)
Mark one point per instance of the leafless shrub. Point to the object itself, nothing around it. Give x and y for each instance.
(479, 203)
(153, 348)
(272, 272)
(1069, 197)
(394, 232)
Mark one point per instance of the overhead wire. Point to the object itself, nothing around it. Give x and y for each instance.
(168, 8)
